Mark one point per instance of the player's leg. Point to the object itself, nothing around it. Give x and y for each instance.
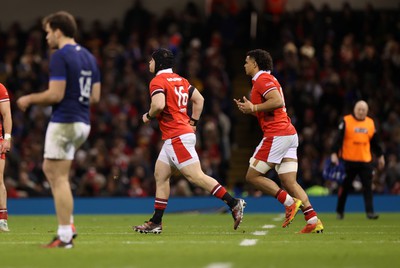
(3, 200)
(182, 153)
(162, 174)
(270, 151)
(288, 175)
(81, 134)
(257, 178)
(57, 173)
(289, 182)
(195, 175)
(287, 171)
(61, 143)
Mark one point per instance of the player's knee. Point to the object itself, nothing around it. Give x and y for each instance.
(249, 178)
(47, 170)
(286, 167)
(195, 176)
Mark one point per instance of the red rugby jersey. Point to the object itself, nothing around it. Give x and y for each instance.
(173, 120)
(277, 122)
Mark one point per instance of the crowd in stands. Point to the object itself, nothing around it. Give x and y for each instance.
(324, 59)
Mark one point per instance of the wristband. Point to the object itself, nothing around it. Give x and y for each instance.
(148, 116)
(7, 136)
(193, 122)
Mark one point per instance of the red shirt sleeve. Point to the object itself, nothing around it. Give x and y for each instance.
(3, 93)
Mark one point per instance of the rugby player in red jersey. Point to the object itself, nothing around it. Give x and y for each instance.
(278, 147)
(170, 95)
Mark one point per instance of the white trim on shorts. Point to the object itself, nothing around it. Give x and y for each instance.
(168, 154)
(63, 139)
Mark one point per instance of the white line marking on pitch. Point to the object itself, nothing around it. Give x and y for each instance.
(219, 265)
(268, 226)
(248, 242)
(259, 233)
(279, 217)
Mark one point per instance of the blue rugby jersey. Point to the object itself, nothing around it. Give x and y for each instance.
(77, 66)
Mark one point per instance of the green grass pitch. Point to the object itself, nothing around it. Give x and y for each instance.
(205, 240)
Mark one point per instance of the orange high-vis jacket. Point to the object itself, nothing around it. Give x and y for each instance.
(356, 141)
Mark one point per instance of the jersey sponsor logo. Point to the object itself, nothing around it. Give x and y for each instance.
(174, 79)
(269, 84)
(361, 130)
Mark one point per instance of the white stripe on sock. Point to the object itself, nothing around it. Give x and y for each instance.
(216, 190)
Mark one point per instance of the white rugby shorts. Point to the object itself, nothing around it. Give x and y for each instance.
(179, 151)
(63, 139)
(274, 149)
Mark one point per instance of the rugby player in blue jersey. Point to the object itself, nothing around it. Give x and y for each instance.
(74, 84)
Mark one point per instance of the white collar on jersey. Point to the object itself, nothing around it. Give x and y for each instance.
(165, 71)
(259, 73)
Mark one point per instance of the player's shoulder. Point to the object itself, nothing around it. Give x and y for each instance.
(158, 82)
(269, 77)
(82, 49)
(3, 88)
(70, 50)
(267, 80)
(157, 79)
(3, 92)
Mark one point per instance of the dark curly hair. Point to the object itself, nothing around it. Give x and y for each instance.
(263, 59)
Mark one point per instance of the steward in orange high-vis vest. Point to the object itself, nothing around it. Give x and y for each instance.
(355, 140)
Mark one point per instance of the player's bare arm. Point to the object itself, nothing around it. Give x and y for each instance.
(273, 101)
(53, 95)
(156, 107)
(198, 103)
(95, 95)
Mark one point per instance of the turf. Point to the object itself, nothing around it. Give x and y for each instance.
(205, 240)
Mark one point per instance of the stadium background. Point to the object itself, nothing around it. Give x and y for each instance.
(326, 56)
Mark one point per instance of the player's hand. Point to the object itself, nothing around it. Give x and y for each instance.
(5, 146)
(246, 107)
(24, 102)
(145, 119)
